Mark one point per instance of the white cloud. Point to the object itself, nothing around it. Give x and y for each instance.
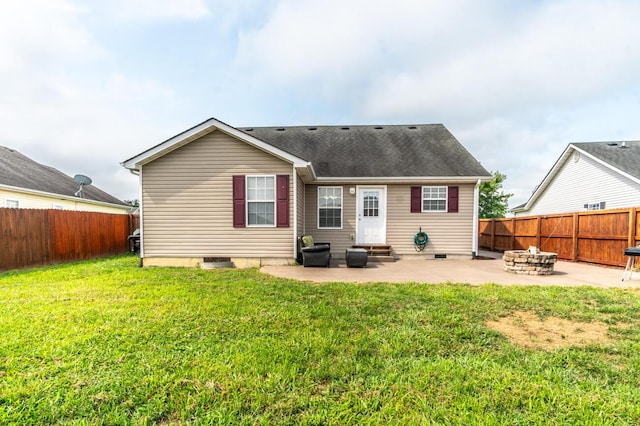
(157, 9)
(516, 82)
(337, 42)
(560, 55)
(40, 33)
(91, 83)
(63, 104)
(398, 58)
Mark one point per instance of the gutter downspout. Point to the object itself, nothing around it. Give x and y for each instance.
(295, 212)
(476, 219)
(139, 173)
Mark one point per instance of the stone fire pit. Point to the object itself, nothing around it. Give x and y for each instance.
(529, 262)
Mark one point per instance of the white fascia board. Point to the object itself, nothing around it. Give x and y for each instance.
(405, 179)
(62, 197)
(200, 130)
(308, 167)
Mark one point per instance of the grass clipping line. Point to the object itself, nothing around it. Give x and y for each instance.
(527, 330)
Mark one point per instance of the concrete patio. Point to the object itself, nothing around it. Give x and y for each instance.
(488, 269)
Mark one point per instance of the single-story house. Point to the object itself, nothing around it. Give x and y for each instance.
(27, 184)
(216, 191)
(588, 176)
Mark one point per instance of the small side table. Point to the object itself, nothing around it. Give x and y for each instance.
(356, 257)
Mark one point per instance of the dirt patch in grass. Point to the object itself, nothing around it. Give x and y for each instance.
(527, 330)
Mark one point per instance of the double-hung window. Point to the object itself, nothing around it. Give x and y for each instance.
(594, 206)
(261, 200)
(330, 207)
(12, 204)
(434, 198)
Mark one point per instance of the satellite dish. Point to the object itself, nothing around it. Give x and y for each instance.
(81, 180)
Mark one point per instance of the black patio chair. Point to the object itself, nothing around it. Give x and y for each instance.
(313, 254)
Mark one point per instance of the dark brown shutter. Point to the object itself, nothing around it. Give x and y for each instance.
(416, 199)
(239, 201)
(452, 199)
(282, 201)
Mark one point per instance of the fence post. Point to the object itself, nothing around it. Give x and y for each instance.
(574, 237)
(513, 234)
(631, 240)
(539, 232)
(493, 234)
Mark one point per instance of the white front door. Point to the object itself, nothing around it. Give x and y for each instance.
(372, 215)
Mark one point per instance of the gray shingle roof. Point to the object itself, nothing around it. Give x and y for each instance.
(427, 150)
(625, 158)
(20, 171)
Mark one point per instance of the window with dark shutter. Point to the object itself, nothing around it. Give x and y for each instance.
(416, 199)
(239, 201)
(434, 199)
(282, 201)
(452, 199)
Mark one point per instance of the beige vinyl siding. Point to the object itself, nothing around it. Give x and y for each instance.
(36, 201)
(340, 239)
(187, 202)
(449, 233)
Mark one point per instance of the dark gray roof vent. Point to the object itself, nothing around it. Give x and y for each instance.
(378, 128)
(281, 129)
(248, 130)
(344, 128)
(613, 144)
(412, 127)
(313, 128)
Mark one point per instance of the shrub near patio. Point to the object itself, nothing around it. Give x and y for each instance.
(105, 342)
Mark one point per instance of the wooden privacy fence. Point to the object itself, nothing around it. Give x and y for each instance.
(595, 237)
(30, 237)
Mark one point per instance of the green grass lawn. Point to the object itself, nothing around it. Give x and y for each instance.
(105, 342)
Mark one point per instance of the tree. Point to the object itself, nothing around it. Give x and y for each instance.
(493, 201)
(132, 203)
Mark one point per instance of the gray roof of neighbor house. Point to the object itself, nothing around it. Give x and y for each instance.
(624, 156)
(428, 150)
(19, 171)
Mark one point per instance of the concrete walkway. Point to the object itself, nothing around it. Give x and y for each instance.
(488, 270)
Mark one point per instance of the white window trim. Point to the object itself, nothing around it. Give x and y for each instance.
(341, 208)
(446, 199)
(592, 207)
(11, 200)
(247, 201)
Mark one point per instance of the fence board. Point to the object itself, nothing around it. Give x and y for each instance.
(596, 237)
(31, 237)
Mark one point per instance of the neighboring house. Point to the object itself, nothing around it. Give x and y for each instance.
(588, 176)
(27, 184)
(215, 191)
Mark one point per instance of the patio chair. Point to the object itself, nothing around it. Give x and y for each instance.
(134, 241)
(313, 254)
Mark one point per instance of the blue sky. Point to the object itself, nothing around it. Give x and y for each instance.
(87, 84)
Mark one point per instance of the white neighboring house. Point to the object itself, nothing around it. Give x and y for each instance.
(27, 184)
(588, 176)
